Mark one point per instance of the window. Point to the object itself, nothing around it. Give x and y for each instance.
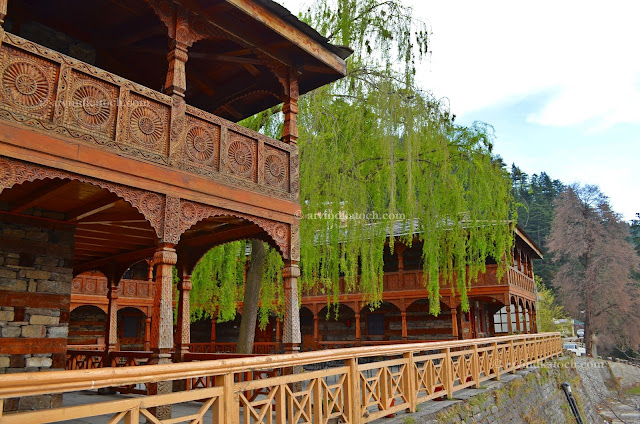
(500, 320)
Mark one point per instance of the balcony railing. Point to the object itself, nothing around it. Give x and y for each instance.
(371, 383)
(413, 280)
(96, 285)
(51, 92)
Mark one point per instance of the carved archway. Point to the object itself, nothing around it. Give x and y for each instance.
(151, 205)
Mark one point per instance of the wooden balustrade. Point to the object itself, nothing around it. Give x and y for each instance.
(373, 382)
(259, 348)
(70, 98)
(413, 280)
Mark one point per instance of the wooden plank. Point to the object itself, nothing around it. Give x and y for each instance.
(23, 345)
(34, 300)
(41, 195)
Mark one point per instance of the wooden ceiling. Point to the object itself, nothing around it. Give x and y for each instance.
(108, 229)
(128, 39)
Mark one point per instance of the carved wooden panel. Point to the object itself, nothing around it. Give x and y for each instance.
(242, 156)
(276, 168)
(202, 145)
(147, 124)
(92, 105)
(28, 83)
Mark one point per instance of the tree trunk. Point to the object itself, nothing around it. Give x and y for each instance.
(251, 298)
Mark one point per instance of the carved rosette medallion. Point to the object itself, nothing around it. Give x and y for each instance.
(240, 157)
(151, 205)
(147, 127)
(93, 107)
(202, 145)
(24, 83)
(7, 174)
(276, 170)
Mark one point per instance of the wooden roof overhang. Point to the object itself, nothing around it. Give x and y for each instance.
(238, 49)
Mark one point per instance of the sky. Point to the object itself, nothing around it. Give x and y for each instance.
(558, 80)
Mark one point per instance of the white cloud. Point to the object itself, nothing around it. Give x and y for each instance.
(487, 53)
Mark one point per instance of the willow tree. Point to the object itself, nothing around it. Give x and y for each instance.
(374, 148)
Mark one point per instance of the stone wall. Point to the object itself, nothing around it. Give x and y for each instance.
(35, 286)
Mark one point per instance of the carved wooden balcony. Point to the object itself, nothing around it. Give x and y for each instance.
(50, 92)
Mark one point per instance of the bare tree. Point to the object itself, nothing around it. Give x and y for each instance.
(251, 298)
(591, 245)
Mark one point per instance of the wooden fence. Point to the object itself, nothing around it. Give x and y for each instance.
(356, 385)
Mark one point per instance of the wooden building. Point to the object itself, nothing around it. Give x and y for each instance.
(403, 316)
(118, 143)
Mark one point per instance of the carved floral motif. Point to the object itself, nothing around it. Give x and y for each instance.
(148, 124)
(276, 168)
(28, 83)
(202, 144)
(241, 156)
(94, 106)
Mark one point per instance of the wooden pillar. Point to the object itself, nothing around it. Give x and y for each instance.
(509, 324)
(112, 315)
(291, 337)
(162, 322)
(358, 329)
(316, 330)
(454, 323)
(403, 314)
(213, 330)
(290, 107)
(147, 333)
(150, 270)
(535, 320)
(183, 333)
(518, 328)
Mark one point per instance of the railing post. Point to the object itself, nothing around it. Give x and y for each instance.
(512, 357)
(497, 360)
(448, 373)
(384, 388)
(226, 410)
(410, 378)
(475, 362)
(352, 392)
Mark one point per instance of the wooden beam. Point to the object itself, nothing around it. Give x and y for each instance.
(22, 345)
(142, 233)
(123, 258)
(40, 195)
(103, 202)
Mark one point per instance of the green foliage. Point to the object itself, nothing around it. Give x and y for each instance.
(374, 148)
(271, 289)
(217, 282)
(548, 309)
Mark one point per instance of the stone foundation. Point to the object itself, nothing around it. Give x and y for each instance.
(35, 286)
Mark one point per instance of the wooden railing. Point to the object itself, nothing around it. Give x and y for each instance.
(370, 383)
(355, 343)
(97, 285)
(259, 348)
(54, 93)
(413, 280)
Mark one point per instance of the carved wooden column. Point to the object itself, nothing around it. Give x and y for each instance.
(162, 323)
(3, 14)
(290, 106)
(213, 330)
(150, 270)
(358, 328)
(291, 336)
(112, 316)
(509, 324)
(147, 333)
(183, 331)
